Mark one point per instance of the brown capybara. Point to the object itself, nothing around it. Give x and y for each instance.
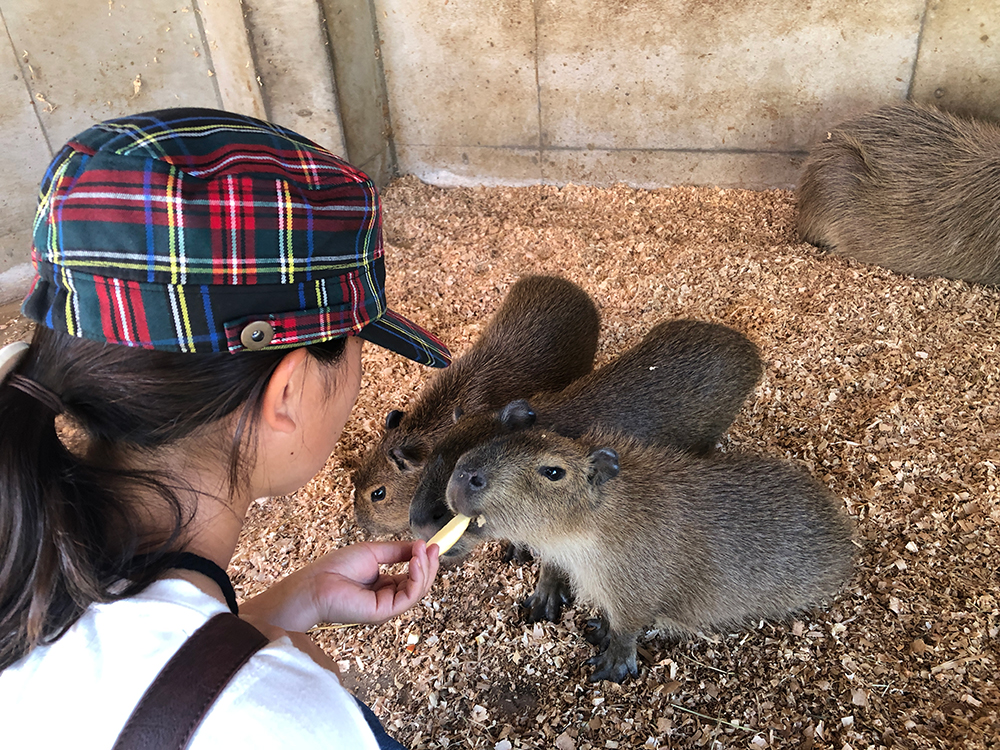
(654, 536)
(682, 385)
(910, 188)
(542, 337)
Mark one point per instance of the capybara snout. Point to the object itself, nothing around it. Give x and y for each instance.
(463, 491)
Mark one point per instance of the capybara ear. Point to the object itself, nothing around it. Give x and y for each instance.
(392, 419)
(457, 414)
(517, 415)
(408, 457)
(603, 466)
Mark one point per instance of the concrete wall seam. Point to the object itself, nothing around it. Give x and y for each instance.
(227, 41)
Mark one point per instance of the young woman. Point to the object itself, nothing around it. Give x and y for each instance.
(204, 283)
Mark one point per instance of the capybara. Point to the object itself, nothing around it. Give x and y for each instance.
(654, 536)
(910, 188)
(542, 337)
(682, 385)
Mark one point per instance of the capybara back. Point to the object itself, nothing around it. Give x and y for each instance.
(910, 188)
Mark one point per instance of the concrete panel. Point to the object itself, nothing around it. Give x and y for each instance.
(15, 282)
(364, 109)
(651, 169)
(293, 62)
(231, 57)
(381, 167)
(958, 67)
(24, 155)
(451, 166)
(89, 60)
(765, 75)
(460, 73)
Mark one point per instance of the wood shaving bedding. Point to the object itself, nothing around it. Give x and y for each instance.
(884, 386)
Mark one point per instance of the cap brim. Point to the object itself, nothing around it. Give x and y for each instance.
(396, 333)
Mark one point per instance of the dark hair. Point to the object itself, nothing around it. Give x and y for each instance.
(69, 533)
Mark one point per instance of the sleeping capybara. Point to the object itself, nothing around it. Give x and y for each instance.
(910, 188)
(682, 385)
(542, 337)
(654, 536)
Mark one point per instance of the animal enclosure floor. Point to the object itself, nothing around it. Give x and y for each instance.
(886, 387)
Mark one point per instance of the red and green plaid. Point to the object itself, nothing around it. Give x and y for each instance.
(173, 230)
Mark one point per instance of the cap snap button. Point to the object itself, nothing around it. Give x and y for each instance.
(257, 335)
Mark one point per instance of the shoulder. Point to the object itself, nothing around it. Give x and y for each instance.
(97, 671)
(282, 698)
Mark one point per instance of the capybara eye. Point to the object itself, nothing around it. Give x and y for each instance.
(552, 473)
(378, 494)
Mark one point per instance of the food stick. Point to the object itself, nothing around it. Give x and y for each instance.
(445, 539)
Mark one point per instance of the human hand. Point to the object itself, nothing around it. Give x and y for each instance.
(348, 586)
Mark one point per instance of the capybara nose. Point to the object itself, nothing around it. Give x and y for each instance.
(465, 490)
(470, 480)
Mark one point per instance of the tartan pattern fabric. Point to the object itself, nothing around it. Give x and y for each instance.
(172, 230)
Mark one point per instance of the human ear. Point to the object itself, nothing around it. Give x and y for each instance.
(283, 391)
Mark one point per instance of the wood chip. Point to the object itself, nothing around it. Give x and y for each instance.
(886, 387)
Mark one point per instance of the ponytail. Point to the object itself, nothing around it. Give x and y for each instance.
(60, 526)
(70, 533)
(34, 538)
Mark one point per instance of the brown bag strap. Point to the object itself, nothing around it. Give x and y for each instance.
(180, 696)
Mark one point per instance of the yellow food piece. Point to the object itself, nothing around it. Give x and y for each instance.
(445, 539)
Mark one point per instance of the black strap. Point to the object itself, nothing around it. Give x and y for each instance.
(180, 696)
(199, 564)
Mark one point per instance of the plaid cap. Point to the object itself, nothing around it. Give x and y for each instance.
(196, 230)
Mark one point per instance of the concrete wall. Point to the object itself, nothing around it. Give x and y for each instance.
(646, 92)
(662, 92)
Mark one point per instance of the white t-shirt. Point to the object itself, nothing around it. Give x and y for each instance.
(79, 691)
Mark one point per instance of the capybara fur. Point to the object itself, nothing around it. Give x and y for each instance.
(910, 188)
(653, 536)
(542, 337)
(682, 385)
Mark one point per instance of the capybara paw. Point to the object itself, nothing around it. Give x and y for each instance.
(516, 553)
(596, 633)
(547, 602)
(611, 668)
